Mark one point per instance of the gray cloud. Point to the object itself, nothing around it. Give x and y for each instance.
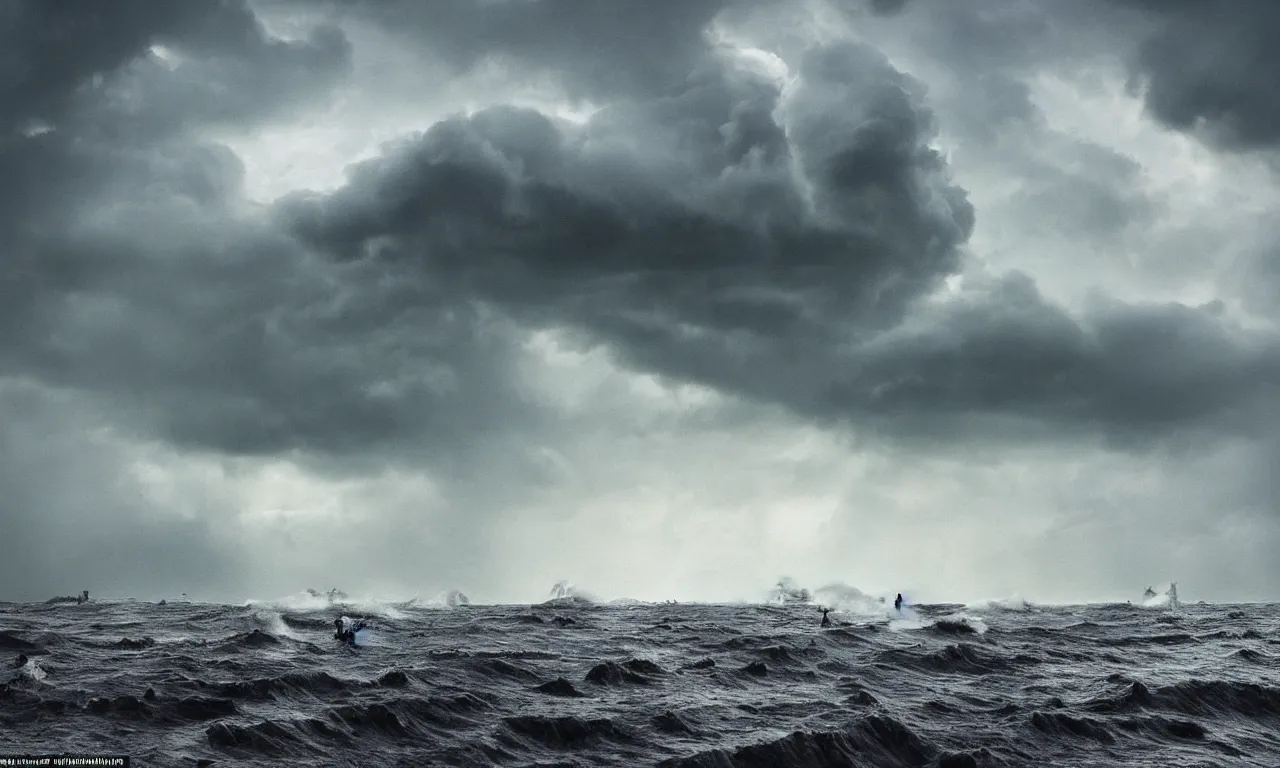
(1201, 66)
(74, 516)
(597, 51)
(508, 194)
(1207, 68)
(83, 56)
(139, 281)
(788, 242)
(788, 313)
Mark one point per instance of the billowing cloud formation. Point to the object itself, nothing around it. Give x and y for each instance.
(1207, 67)
(513, 317)
(774, 269)
(708, 227)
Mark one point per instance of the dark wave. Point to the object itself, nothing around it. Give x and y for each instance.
(687, 685)
(872, 740)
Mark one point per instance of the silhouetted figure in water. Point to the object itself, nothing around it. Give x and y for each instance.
(20, 662)
(826, 622)
(897, 602)
(347, 636)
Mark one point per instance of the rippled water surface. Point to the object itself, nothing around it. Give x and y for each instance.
(574, 684)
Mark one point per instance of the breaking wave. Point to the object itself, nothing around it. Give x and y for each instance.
(313, 602)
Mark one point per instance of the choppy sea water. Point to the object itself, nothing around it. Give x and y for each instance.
(569, 683)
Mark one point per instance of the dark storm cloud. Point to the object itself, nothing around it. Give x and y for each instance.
(1209, 67)
(138, 281)
(57, 56)
(94, 120)
(719, 232)
(1129, 369)
(506, 203)
(137, 274)
(782, 243)
(779, 297)
(1202, 66)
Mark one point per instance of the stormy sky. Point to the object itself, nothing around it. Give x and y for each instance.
(668, 299)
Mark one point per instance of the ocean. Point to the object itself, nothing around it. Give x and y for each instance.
(574, 683)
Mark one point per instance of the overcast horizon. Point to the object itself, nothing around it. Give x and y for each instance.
(666, 299)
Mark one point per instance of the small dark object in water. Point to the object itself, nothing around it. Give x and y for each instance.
(826, 622)
(83, 597)
(20, 662)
